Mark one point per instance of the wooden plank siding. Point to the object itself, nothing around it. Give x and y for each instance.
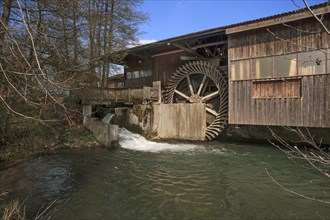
(135, 63)
(304, 101)
(290, 88)
(311, 110)
(279, 39)
(164, 66)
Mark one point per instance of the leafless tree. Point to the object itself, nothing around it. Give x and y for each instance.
(48, 49)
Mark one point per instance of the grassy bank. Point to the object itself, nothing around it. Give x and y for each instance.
(30, 140)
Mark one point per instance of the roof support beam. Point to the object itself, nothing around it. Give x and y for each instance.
(210, 44)
(142, 56)
(187, 49)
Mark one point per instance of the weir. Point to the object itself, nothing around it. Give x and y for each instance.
(105, 131)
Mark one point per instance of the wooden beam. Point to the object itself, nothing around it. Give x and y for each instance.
(167, 53)
(210, 44)
(140, 55)
(189, 50)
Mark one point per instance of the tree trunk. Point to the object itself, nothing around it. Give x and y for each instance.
(4, 21)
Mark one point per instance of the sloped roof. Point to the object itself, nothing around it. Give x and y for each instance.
(224, 28)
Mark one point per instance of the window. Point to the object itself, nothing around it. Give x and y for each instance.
(138, 74)
(262, 68)
(285, 65)
(288, 65)
(312, 62)
(290, 88)
(240, 70)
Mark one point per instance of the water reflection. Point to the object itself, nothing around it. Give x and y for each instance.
(39, 182)
(210, 181)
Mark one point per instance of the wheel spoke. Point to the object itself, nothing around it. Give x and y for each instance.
(201, 85)
(210, 96)
(213, 112)
(181, 94)
(205, 87)
(191, 88)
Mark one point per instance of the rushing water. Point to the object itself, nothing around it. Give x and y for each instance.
(148, 180)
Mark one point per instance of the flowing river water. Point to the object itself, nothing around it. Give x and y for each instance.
(149, 180)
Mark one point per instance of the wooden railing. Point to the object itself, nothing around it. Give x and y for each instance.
(94, 95)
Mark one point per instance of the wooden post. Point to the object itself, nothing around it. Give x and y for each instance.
(146, 93)
(129, 95)
(87, 112)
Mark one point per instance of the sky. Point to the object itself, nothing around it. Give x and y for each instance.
(171, 18)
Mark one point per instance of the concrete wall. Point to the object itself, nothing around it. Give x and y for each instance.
(106, 134)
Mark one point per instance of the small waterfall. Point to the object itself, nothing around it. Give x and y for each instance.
(107, 118)
(132, 141)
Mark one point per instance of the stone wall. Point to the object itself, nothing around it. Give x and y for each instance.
(137, 119)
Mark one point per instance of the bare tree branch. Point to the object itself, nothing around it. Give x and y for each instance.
(295, 193)
(316, 17)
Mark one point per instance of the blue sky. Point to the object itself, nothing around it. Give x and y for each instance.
(170, 18)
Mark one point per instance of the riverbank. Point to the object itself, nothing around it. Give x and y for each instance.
(37, 140)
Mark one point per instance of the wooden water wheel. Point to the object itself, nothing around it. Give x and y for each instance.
(202, 82)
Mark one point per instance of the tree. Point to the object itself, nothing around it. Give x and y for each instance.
(50, 48)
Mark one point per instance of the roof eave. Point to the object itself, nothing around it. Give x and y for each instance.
(276, 20)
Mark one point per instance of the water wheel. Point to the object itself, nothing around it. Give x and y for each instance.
(201, 82)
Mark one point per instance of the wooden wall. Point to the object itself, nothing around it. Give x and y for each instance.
(164, 66)
(169, 118)
(280, 39)
(311, 110)
(133, 64)
(309, 107)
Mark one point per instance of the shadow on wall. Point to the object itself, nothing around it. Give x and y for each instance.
(262, 134)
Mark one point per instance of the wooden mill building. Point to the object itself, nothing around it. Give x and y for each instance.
(270, 71)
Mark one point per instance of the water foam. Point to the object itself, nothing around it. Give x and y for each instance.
(132, 141)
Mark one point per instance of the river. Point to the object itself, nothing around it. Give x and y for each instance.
(149, 180)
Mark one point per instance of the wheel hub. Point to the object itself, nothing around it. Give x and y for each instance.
(195, 99)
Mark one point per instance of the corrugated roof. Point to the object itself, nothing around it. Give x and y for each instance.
(222, 28)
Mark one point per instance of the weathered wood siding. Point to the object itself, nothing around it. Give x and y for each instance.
(181, 121)
(311, 110)
(279, 39)
(136, 64)
(305, 101)
(164, 66)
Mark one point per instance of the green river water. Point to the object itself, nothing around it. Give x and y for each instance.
(148, 180)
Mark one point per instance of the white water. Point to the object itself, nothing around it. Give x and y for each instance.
(107, 118)
(137, 142)
(132, 141)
